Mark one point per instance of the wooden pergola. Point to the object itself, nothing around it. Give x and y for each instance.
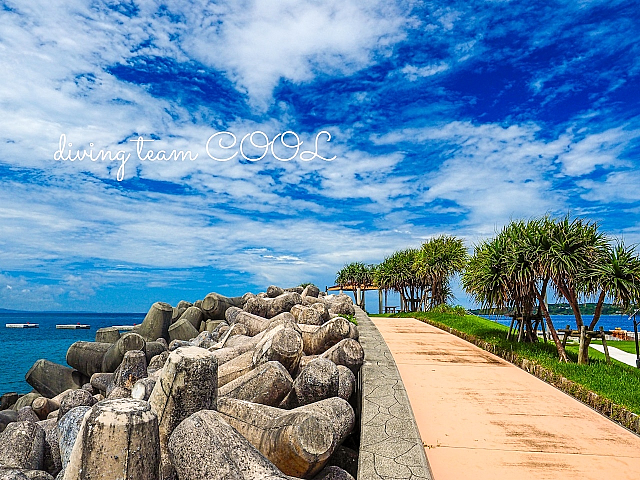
(360, 289)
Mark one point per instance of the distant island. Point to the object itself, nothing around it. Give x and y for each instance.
(563, 309)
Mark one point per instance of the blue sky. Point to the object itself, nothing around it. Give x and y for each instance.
(445, 117)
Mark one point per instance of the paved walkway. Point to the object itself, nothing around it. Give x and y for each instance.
(620, 355)
(481, 417)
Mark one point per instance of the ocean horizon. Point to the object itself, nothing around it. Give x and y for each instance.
(22, 347)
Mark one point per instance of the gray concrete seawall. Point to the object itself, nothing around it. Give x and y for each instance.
(390, 443)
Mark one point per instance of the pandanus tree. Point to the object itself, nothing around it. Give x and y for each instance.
(570, 253)
(422, 275)
(504, 273)
(398, 273)
(616, 275)
(572, 257)
(353, 276)
(436, 262)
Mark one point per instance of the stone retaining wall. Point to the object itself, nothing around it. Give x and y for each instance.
(602, 405)
(390, 443)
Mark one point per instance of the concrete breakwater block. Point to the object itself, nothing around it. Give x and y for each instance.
(118, 439)
(86, 357)
(267, 384)
(132, 369)
(300, 441)
(20, 474)
(7, 417)
(68, 428)
(50, 378)
(204, 446)
(195, 316)
(156, 322)
(183, 329)
(22, 446)
(215, 305)
(249, 387)
(282, 344)
(73, 399)
(188, 384)
(317, 339)
(270, 307)
(51, 459)
(107, 335)
(320, 379)
(143, 388)
(113, 357)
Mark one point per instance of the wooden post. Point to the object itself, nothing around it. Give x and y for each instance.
(358, 297)
(380, 301)
(567, 332)
(582, 358)
(604, 345)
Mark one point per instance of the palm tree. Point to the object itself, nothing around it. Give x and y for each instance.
(436, 262)
(398, 272)
(617, 276)
(504, 274)
(353, 276)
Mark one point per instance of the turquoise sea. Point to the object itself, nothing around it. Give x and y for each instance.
(21, 347)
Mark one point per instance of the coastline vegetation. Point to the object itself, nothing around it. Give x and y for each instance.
(513, 273)
(517, 268)
(422, 276)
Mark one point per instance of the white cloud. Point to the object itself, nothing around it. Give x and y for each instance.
(582, 156)
(495, 173)
(413, 73)
(258, 43)
(617, 187)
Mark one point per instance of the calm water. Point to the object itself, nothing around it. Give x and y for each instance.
(609, 322)
(21, 347)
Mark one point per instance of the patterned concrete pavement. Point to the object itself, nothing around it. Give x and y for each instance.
(481, 417)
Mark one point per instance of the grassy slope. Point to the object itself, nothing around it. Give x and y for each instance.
(617, 382)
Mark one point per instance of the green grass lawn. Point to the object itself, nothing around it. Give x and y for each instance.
(624, 345)
(618, 382)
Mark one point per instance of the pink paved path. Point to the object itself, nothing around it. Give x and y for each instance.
(481, 417)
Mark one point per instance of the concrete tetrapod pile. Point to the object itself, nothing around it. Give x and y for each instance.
(249, 388)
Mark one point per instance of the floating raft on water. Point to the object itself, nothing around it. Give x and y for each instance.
(74, 326)
(22, 325)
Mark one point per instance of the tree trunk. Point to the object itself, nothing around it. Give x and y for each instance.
(533, 336)
(598, 311)
(562, 353)
(570, 295)
(583, 349)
